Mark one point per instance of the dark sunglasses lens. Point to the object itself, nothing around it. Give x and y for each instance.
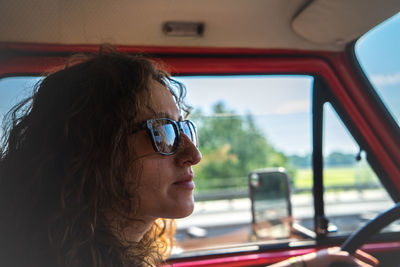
(190, 131)
(165, 136)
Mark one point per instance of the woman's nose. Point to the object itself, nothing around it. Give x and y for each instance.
(188, 153)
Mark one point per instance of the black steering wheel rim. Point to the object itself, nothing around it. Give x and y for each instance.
(357, 239)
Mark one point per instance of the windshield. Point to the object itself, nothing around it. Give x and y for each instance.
(378, 54)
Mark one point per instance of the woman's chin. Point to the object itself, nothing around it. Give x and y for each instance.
(183, 211)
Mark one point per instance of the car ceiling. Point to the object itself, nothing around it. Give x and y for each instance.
(268, 24)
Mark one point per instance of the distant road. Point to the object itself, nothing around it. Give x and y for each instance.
(237, 211)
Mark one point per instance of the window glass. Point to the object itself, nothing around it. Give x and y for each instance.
(379, 56)
(353, 193)
(13, 90)
(247, 123)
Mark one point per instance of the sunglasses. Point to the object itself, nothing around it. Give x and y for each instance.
(166, 133)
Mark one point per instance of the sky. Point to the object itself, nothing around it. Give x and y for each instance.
(378, 52)
(13, 90)
(281, 104)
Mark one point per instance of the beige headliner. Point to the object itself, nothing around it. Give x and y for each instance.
(293, 24)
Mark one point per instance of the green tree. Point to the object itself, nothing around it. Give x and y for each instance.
(340, 159)
(232, 146)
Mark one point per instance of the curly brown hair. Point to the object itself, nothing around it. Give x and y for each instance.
(65, 165)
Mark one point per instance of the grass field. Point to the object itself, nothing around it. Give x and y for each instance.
(340, 176)
(357, 175)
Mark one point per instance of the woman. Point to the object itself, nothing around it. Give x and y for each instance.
(91, 163)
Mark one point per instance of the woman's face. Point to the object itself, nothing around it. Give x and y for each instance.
(166, 182)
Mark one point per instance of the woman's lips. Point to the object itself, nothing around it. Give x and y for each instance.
(186, 185)
(186, 182)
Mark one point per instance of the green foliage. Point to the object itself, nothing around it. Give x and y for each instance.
(334, 159)
(232, 146)
(340, 159)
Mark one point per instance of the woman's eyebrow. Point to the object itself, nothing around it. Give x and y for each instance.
(163, 114)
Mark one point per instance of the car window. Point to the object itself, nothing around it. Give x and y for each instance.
(353, 193)
(245, 123)
(379, 56)
(13, 90)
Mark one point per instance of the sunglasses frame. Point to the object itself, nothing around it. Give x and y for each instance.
(148, 124)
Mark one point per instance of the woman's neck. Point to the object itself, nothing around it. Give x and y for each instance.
(137, 229)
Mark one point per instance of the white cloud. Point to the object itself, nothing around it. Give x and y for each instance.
(293, 106)
(385, 79)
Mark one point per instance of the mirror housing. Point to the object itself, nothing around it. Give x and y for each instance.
(271, 207)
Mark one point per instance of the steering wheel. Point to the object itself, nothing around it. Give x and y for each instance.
(357, 239)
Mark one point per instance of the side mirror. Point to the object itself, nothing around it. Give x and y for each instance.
(271, 208)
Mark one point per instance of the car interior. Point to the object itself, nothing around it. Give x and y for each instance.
(297, 112)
